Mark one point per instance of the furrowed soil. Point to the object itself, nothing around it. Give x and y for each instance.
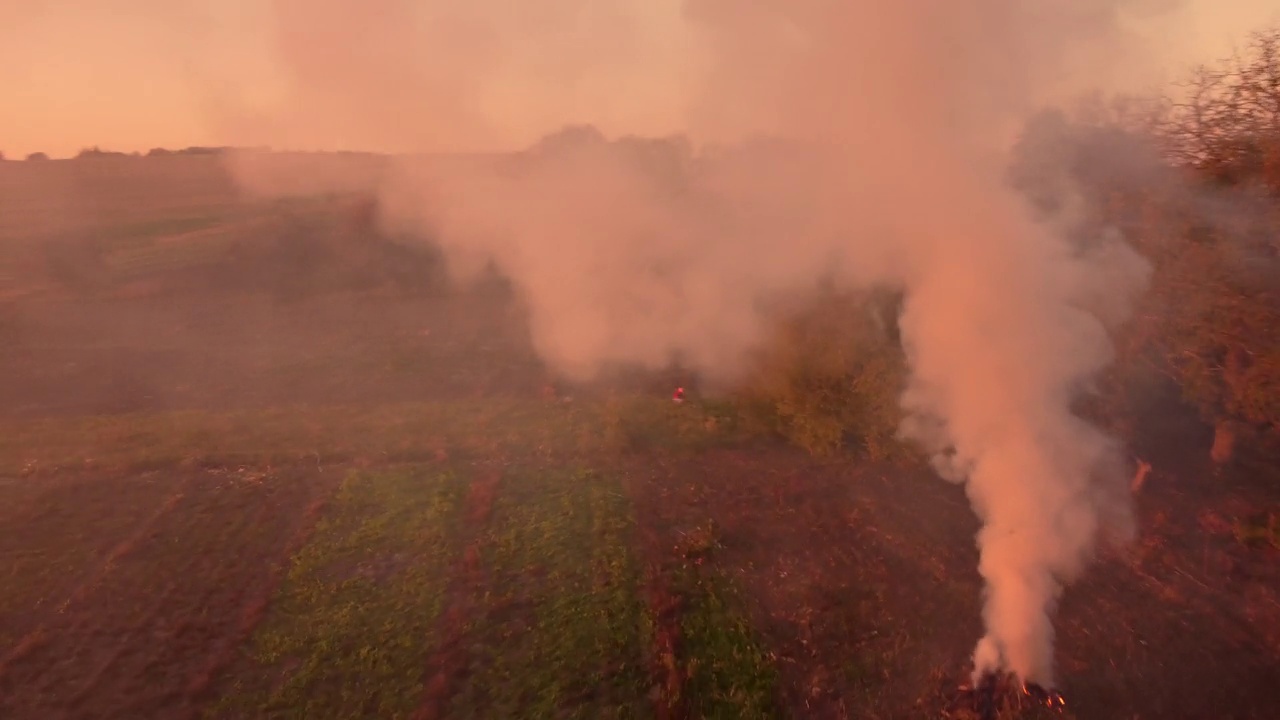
(138, 627)
(862, 582)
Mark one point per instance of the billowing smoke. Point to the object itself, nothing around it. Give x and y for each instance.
(863, 142)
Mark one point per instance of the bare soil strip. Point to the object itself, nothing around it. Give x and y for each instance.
(449, 661)
(91, 578)
(199, 687)
(666, 650)
(129, 643)
(704, 657)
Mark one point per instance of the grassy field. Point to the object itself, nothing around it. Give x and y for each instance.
(362, 501)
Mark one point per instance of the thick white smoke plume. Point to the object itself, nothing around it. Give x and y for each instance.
(892, 122)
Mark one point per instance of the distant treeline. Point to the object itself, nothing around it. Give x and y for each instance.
(193, 150)
(98, 152)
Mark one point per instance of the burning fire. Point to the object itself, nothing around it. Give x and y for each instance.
(997, 694)
(1048, 697)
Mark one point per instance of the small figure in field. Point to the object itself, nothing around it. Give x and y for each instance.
(678, 396)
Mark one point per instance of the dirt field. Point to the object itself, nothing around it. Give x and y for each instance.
(515, 578)
(364, 502)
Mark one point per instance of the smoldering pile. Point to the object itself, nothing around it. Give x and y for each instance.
(1002, 695)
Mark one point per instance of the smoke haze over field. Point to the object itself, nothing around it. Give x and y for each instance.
(895, 119)
(893, 122)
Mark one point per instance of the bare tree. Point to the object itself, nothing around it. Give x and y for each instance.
(1219, 290)
(1228, 122)
(1194, 183)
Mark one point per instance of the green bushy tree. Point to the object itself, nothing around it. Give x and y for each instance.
(831, 377)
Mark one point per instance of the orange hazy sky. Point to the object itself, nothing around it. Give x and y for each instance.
(437, 74)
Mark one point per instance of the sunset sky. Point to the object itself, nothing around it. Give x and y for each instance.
(427, 75)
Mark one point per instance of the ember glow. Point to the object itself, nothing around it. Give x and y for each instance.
(994, 694)
(1049, 698)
